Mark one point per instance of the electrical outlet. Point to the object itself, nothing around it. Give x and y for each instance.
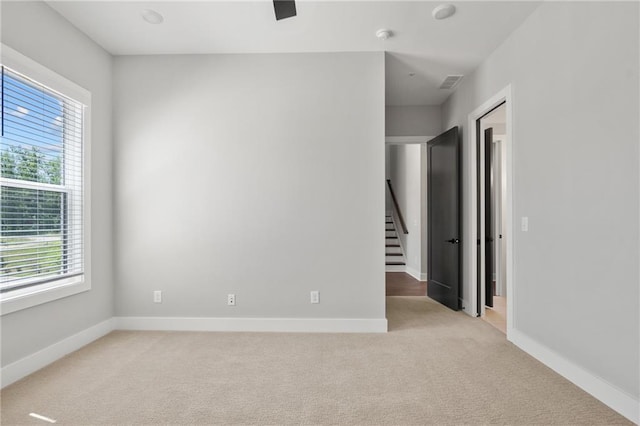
(315, 296)
(231, 299)
(157, 296)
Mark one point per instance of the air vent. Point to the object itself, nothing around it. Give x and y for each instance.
(451, 81)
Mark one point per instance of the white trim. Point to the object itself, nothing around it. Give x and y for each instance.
(469, 255)
(34, 362)
(13, 301)
(610, 395)
(416, 274)
(407, 139)
(33, 185)
(602, 390)
(282, 325)
(424, 212)
(32, 70)
(19, 299)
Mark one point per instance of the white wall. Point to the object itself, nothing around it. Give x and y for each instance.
(258, 175)
(413, 120)
(574, 74)
(405, 174)
(36, 31)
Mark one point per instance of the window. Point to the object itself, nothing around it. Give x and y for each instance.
(42, 203)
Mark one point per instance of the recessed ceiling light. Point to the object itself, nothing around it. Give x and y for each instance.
(443, 11)
(383, 34)
(152, 17)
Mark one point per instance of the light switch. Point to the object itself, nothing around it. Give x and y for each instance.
(525, 224)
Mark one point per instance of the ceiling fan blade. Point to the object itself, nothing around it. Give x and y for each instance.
(284, 8)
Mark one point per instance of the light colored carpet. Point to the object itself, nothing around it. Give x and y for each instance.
(435, 366)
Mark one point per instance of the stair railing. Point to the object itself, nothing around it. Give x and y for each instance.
(397, 208)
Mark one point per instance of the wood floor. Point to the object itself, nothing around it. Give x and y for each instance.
(403, 284)
(497, 316)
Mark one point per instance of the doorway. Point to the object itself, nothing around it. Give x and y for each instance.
(492, 141)
(438, 241)
(405, 227)
(490, 219)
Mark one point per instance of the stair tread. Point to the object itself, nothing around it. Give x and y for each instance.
(390, 227)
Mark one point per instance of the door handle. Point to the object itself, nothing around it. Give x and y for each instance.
(454, 241)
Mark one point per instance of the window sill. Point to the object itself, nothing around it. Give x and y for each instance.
(17, 300)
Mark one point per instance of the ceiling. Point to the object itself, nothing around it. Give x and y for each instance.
(428, 48)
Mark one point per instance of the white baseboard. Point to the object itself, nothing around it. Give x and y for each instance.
(34, 362)
(610, 395)
(296, 325)
(416, 274)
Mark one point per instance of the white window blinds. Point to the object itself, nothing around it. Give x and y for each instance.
(41, 210)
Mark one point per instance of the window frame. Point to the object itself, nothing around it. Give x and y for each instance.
(23, 298)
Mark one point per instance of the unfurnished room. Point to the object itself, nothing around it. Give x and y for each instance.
(317, 212)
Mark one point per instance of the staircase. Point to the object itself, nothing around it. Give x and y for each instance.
(394, 258)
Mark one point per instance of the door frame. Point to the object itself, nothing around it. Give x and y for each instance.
(500, 279)
(470, 248)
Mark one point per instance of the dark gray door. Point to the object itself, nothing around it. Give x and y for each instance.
(489, 287)
(443, 194)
